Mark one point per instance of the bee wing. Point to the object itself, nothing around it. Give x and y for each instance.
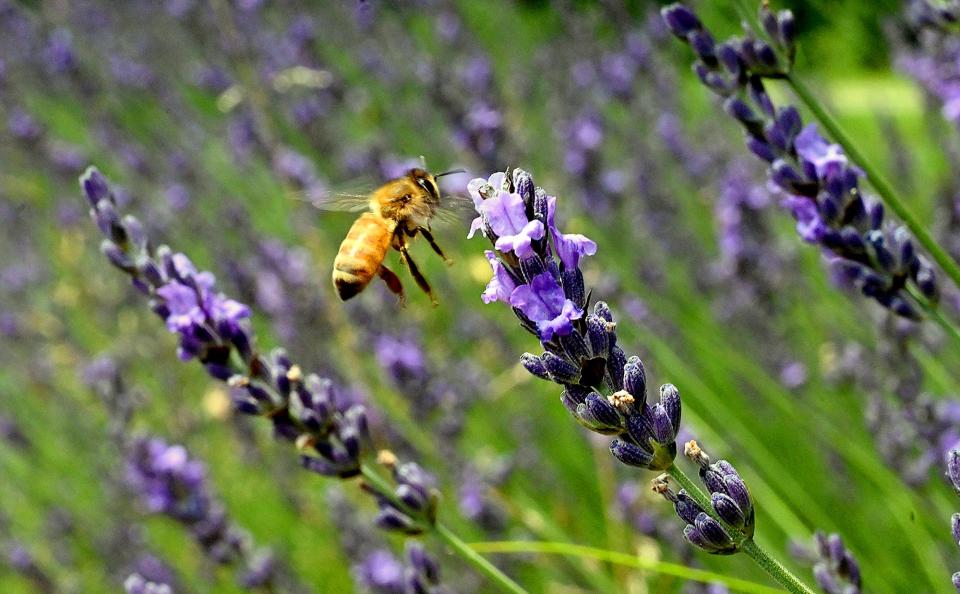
(455, 209)
(340, 201)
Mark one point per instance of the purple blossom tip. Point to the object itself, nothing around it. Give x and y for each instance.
(544, 303)
(94, 185)
(680, 20)
(828, 160)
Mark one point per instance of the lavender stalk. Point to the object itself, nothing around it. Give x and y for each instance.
(821, 183)
(786, 51)
(953, 474)
(213, 329)
(536, 271)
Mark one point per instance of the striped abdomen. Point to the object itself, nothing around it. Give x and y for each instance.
(361, 254)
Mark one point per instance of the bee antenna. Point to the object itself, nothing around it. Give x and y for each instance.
(452, 171)
(423, 161)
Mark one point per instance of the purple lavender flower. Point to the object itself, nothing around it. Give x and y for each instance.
(21, 561)
(837, 571)
(215, 330)
(169, 482)
(932, 56)
(729, 495)
(59, 53)
(603, 390)
(543, 302)
(505, 216)
(701, 530)
(380, 572)
(412, 507)
(137, 584)
(821, 185)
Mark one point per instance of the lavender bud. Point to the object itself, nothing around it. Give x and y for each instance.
(393, 520)
(761, 149)
(739, 110)
(534, 365)
(616, 361)
(769, 21)
(523, 185)
(561, 370)
(680, 20)
(94, 186)
(704, 46)
(787, 33)
(953, 468)
(597, 335)
(728, 510)
(635, 379)
(575, 347)
(630, 454)
(598, 414)
(117, 256)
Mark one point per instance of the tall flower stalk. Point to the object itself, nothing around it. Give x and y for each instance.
(536, 271)
(891, 198)
(820, 183)
(953, 474)
(302, 407)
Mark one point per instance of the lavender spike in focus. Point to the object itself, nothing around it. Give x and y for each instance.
(821, 187)
(539, 276)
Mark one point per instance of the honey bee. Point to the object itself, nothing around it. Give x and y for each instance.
(397, 212)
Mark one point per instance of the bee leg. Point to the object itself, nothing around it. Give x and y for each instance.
(433, 243)
(393, 283)
(417, 275)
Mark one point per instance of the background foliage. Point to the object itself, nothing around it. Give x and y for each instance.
(212, 115)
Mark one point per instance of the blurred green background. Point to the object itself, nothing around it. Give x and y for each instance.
(211, 115)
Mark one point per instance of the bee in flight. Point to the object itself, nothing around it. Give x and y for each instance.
(398, 211)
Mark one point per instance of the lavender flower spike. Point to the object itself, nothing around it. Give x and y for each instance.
(701, 530)
(837, 571)
(953, 473)
(603, 390)
(729, 495)
(821, 187)
(215, 330)
(171, 483)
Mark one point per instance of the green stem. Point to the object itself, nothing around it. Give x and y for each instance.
(876, 179)
(773, 567)
(949, 327)
(624, 559)
(463, 549)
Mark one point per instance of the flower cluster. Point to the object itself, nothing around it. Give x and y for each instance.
(381, 572)
(729, 499)
(214, 329)
(412, 506)
(303, 408)
(821, 185)
(836, 572)
(170, 482)
(953, 473)
(536, 270)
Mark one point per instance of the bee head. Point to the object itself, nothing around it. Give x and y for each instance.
(425, 180)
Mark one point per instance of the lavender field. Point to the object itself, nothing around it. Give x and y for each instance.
(697, 276)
